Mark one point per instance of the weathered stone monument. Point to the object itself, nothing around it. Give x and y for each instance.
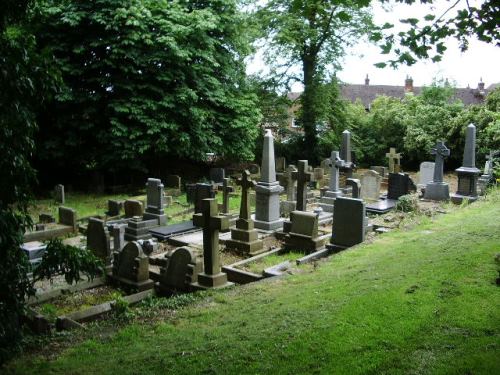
(133, 208)
(355, 185)
(394, 160)
(303, 234)
(226, 189)
(114, 207)
(267, 211)
(319, 177)
(370, 182)
(118, 233)
(179, 271)
(438, 190)
(290, 203)
(399, 184)
(303, 177)
(212, 277)
(280, 164)
(155, 201)
(468, 173)
(487, 177)
(59, 194)
(349, 223)
(173, 181)
(244, 237)
(138, 229)
(426, 173)
(68, 216)
(328, 198)
(202, 191)
(98, 239)
(131, 268)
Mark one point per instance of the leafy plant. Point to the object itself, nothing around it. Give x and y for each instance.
(407, 203)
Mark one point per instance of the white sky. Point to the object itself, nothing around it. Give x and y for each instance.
(481, 60)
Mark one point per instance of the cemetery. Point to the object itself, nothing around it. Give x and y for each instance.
(166, 207)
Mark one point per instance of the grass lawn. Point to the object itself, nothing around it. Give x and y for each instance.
(417, 302)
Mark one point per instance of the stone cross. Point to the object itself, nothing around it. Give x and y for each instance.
(394, 160)
(211, 224)
(290, 182)
(335, 164)
(441, 152)
(303, 177)
(226, 189)
(246, 183)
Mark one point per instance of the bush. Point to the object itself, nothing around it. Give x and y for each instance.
(407, 203)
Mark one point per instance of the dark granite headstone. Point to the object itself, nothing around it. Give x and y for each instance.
(399, 184)
(203, 191)
(349, 222)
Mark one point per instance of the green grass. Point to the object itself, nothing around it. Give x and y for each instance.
(416, 302)
(271, 260)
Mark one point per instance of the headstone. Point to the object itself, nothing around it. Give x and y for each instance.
(319, 176)
(217, 175)
(190, 193)
(244, 237)
(267, 212)
(438, 190)
(290, 203)
(114, 207)
(59, 194)
(349, 222)
(426, 173)
(382, 171)
(131, 267)
(355, 185)
(394, 160)
(280, 164)
(67, 216)
(118, 232)
(212, 277)
(173, 181)
(203, 191)
(467, 174)
(138, 229)
(303, 234)
(487, 177)
(329, 196)
(303, 177)
(155, 201)
(133, 208)
(325, 165)
(399, 184)
(226, 189)
(169, 200)
(180, 271)
(370, 182)
(98, 239)
(46, 218)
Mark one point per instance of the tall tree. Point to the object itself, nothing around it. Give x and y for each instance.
(312, 35)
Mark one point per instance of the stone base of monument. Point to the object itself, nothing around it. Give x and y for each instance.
(304, 243)
(268, 225)
(245, 241)
(161, 218)
(382, 206)
(458, 198)
(217, 281)
(130, 285)
(437, 191)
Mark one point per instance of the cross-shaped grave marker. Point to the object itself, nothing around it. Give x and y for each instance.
(226, 189)
(441, 152)
(394, 160)
(211, 224)
(246, 184)
(303, 177)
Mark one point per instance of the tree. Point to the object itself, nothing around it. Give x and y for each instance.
(146, 80)
(312, 34)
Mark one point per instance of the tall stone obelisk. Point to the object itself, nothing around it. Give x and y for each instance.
(267, 210)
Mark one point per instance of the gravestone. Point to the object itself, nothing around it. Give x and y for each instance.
(280, 164)
(267, 211)
(217, 175)
(319, 177)
(329, 196)
(226, 189)
(118, 233)
(212, 276)
(399, 184)
(202, 191)
(345, 149)
(303, 234)
(173, 181)
(46, 218)
(290, 203)
(131, 267)
(370, 182)
(179, 272)
(355, 185)
(98, 239)
(138, 229)
(244, 237)
(67, 216)
(303, 177)
(349, 222)
(59, 194)
(438, 190)
(468, 173)
(382, 171)
(155, 201)
(325, 165)
(133, 208)
(114, 207)
(426, 173)
(487, 177)
(190, 193)
(394, 160)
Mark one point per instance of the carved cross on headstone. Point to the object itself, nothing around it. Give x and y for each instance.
(290, 176)
(335, 164)
(211, 224)
(303, 177)
(226, 189)
(394, 160)
(246, 184)
(441, 152)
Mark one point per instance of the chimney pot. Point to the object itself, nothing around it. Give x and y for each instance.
(367, 80)
(408, 84)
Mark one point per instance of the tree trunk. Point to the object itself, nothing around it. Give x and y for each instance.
(308, 116)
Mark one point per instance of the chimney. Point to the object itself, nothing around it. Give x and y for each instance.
(367, 80)
(408, 84)
(480, 85)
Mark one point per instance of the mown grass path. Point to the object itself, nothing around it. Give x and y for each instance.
(416, 302)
